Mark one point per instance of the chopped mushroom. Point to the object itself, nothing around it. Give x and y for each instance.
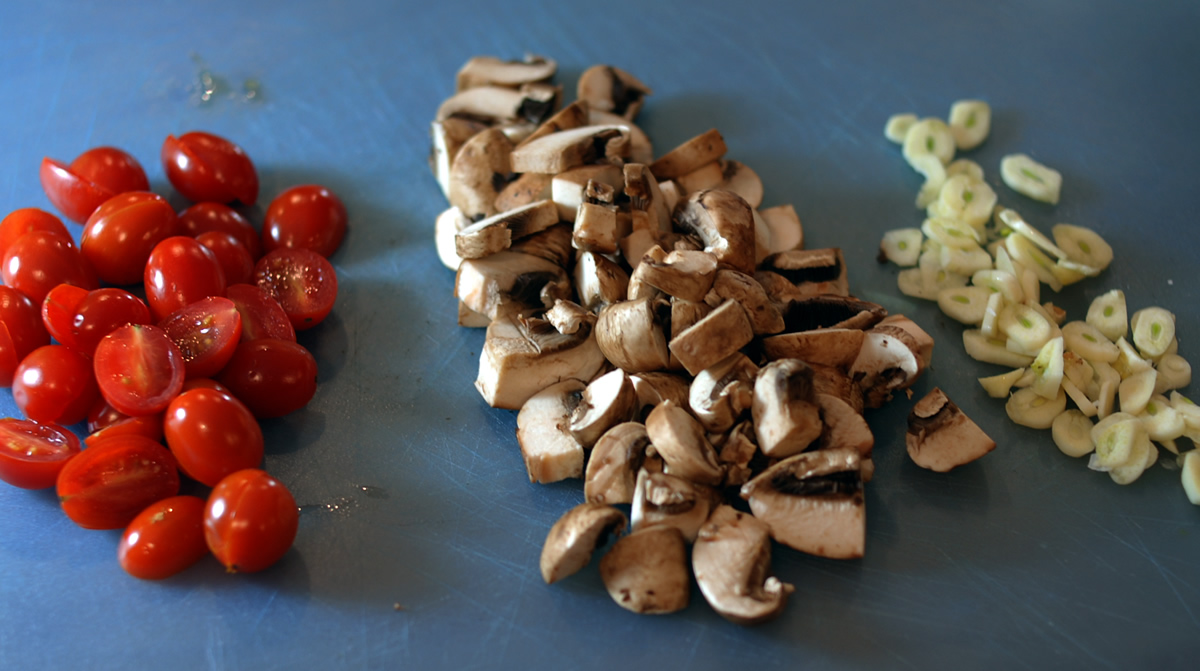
(497, 104)
(717, 335)
(614, 463)
(607, 401)
(724, 222)
(611, 89)
(665, 499)
(630, 335)
(731, 560)
(575, 536)
(891, 358)
(479, 172)
(491, 71)
(679, 439)
(841, 404)
(647, 571)
(692, 154)
(941, 437)
(567, 149)
(837, 347)
(684, 274)
(720, 393)
(550, 452)
(496, 233)
(786, 417)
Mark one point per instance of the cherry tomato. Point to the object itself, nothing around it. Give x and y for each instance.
(139, 370)
(58, 312)
(205, 383)
(21, 331)
(303, 282)
(206, 333)
(108, 484)
(180, 271)
(32, 454)
(121, 233)
(40, 260)
(207, 217)
(164, 539)
(103, 311)
(206, 167)
(55, 384)
(262, 316)
(307, 216)
(236, 263)
(212, 435)
(95, 176)
(104, 421)
(272, 377)
(25, 220)
(250, 521)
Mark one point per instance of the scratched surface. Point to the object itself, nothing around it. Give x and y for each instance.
(413, 490)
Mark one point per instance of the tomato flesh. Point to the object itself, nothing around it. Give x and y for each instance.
(272, 377)
(302, 281)
(206, 332)
(108, 484)
(207, 167)
(32, 454)
(138, 369)
(250, 521)
(262, 316)
(55, 384)
(93, 177)
(164, 539)
(309, 216)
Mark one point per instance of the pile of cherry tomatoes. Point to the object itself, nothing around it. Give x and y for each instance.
(169, 334)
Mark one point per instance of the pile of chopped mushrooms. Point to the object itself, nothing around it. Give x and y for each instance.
(667, 340)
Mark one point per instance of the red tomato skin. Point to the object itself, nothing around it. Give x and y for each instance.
(146, 426)
(212, 435)
(302, 281)
(272, 377)
(103, 311)
(308, 216)
(179, 272)
(207, 167)
(58, 312)
(108, 484)
(26, 220)
(262, 316)
(205, 383)
(206, 332)
(119, 236)
(32, 454)
(208, 217)
(138, 369)
(70, 194)
(164, 539)
(40, 260)
(21, 331)
(250, 521)
(111, 168)
(55, 384)
(236, 263)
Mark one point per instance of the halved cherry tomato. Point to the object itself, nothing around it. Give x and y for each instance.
(207, 167)
(40, 260)
(108, 484)
(303, 282)
(164, 539)
(103, 311)
(55, 384)
(206, 333)
(262, 316)
(92, 178)
(27, 219)
(180, 271)
(236, 263)
(32, 454)
(21, 331)
(250, 521)
(139, 370)
(272, 377)
(207, 217)
(212, 435)
(205, 383)
(146, 426)
(308, 216)
(58, 312)
(121, 233)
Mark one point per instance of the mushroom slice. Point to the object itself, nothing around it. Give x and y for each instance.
(522, 356)
(572, 116)
(613, 465)
(720, 393)
(575, 536)
(607, 401)
(941, 437)
(641, 150)
(566, 149)
(831, 312)
(683, 274)
(550, 452)
(731, 560)
(646, 201)
(510, 281)
(787, 233)
(480, 171)
(827, 347)
(611, 89)
(630, 334)
(892, 357)
(447, 137)
(921, 341)
(596, 228)
(524, 190)
(724, 222)
(655, 387)
(744, 290)
(491, 71)
(497, 104)
(841, 404)
(599, 281)
(568, 189)
(448, 224)
(731, 175)
(813, 502)
(497, 232)
(665, 499)
(719, 334)
(552, 244)
(691, 155)
(647, 571)
(811, 271)
(707, 176)
(679, 439)
(786, 416)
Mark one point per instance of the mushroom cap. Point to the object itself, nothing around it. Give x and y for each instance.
(679, 439)
(647, 571)
(731, 560)
(664, 499)
(941, 437)
(492, 71)
(786, 418)
(607, 401)
(630, 334)
(549, 450)
(614, 463)
(724, 222)
(612, 89)
(575, 536)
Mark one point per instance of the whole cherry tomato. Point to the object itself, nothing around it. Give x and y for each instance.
(208, 217)
(121, 233)
(55, 384)
(207, 167)
(212, 435)
(38, 261)
(236, 263)
(138, 369)
(95, 176)
(181, 271)
(272, 377)
(32, 454)
(58, 312)
(22, 221)
(308, 216)
(262, 316)
(303, 282)
(103, 311)
(164, 539)
(108, 484)
(206, 333)
(250, 521)
(21, 331)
